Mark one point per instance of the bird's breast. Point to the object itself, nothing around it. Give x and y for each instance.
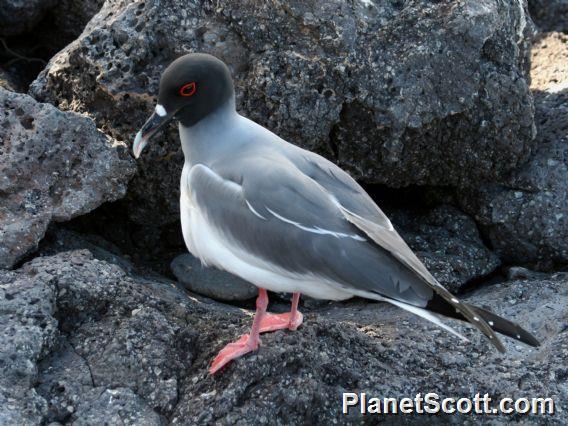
(186, 208)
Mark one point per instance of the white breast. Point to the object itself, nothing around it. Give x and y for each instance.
(186, 210)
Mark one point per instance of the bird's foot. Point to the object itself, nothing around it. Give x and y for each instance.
(234, 350)
(273, 322)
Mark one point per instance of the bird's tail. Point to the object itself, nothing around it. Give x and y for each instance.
(506, 327)
(497, 323)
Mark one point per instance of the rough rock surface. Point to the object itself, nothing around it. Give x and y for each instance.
(53, 166)
(401, 93)
(27, 333)
(17, 16)
(550, 15)
(448, 243)
(526, 220)
(210, 282)
(83, 342)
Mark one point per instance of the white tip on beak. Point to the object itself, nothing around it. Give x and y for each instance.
(139, 144)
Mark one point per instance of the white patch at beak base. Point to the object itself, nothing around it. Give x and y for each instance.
(161, 111)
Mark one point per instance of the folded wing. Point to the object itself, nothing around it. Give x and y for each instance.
(273, 212)
(359, 209)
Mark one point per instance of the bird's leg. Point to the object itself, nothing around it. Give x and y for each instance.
(290, 320)
(248, 342)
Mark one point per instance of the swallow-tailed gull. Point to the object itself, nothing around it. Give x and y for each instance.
(287, 219)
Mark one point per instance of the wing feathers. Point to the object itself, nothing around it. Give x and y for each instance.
(394, 244)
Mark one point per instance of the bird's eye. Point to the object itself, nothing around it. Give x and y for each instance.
(188, 89)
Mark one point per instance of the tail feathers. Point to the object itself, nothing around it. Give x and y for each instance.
(506, 327)
(426, 315)
(498, 324)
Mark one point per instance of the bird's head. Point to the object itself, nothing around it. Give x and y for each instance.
(191, 87)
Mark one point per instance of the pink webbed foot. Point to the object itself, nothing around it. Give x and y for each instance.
(233, 351)
(262, 323)
(273, 322)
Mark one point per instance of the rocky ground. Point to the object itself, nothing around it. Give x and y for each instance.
(452, 114)
(87, 343)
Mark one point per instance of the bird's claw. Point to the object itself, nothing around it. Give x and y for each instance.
(233, 351)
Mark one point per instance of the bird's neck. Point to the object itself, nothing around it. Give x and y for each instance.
(206, 139)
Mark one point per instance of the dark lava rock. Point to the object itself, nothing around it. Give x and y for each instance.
(88, 344)
(398, 93)
(550, 15)
(211, 282)
(121, 347)
(150, 248)
(526, 219)
(17, 16)
(449, 244)
(24, 56)
(519, 273)
(53, 166)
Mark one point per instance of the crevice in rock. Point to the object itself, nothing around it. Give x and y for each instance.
(477, 283)
(27, 258)
(333, 134)
(411, 197)
(484, 235)
(24, 56)
(149, 248)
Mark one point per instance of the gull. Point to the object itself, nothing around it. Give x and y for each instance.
(287, 219)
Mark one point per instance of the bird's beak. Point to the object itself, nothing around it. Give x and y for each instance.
(157, 120)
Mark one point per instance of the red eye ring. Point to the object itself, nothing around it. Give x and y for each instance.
(188, 89)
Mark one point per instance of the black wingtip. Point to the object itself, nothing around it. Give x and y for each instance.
(529, 339)
(495, 322)
(506, 327)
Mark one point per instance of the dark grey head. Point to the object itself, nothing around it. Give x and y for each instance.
(191, 88)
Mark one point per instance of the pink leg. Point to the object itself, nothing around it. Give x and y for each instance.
(290, 320)
(248, 342)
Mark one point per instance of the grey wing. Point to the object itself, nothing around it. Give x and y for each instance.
(360, 210)
(355, 204)
(275, 213)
